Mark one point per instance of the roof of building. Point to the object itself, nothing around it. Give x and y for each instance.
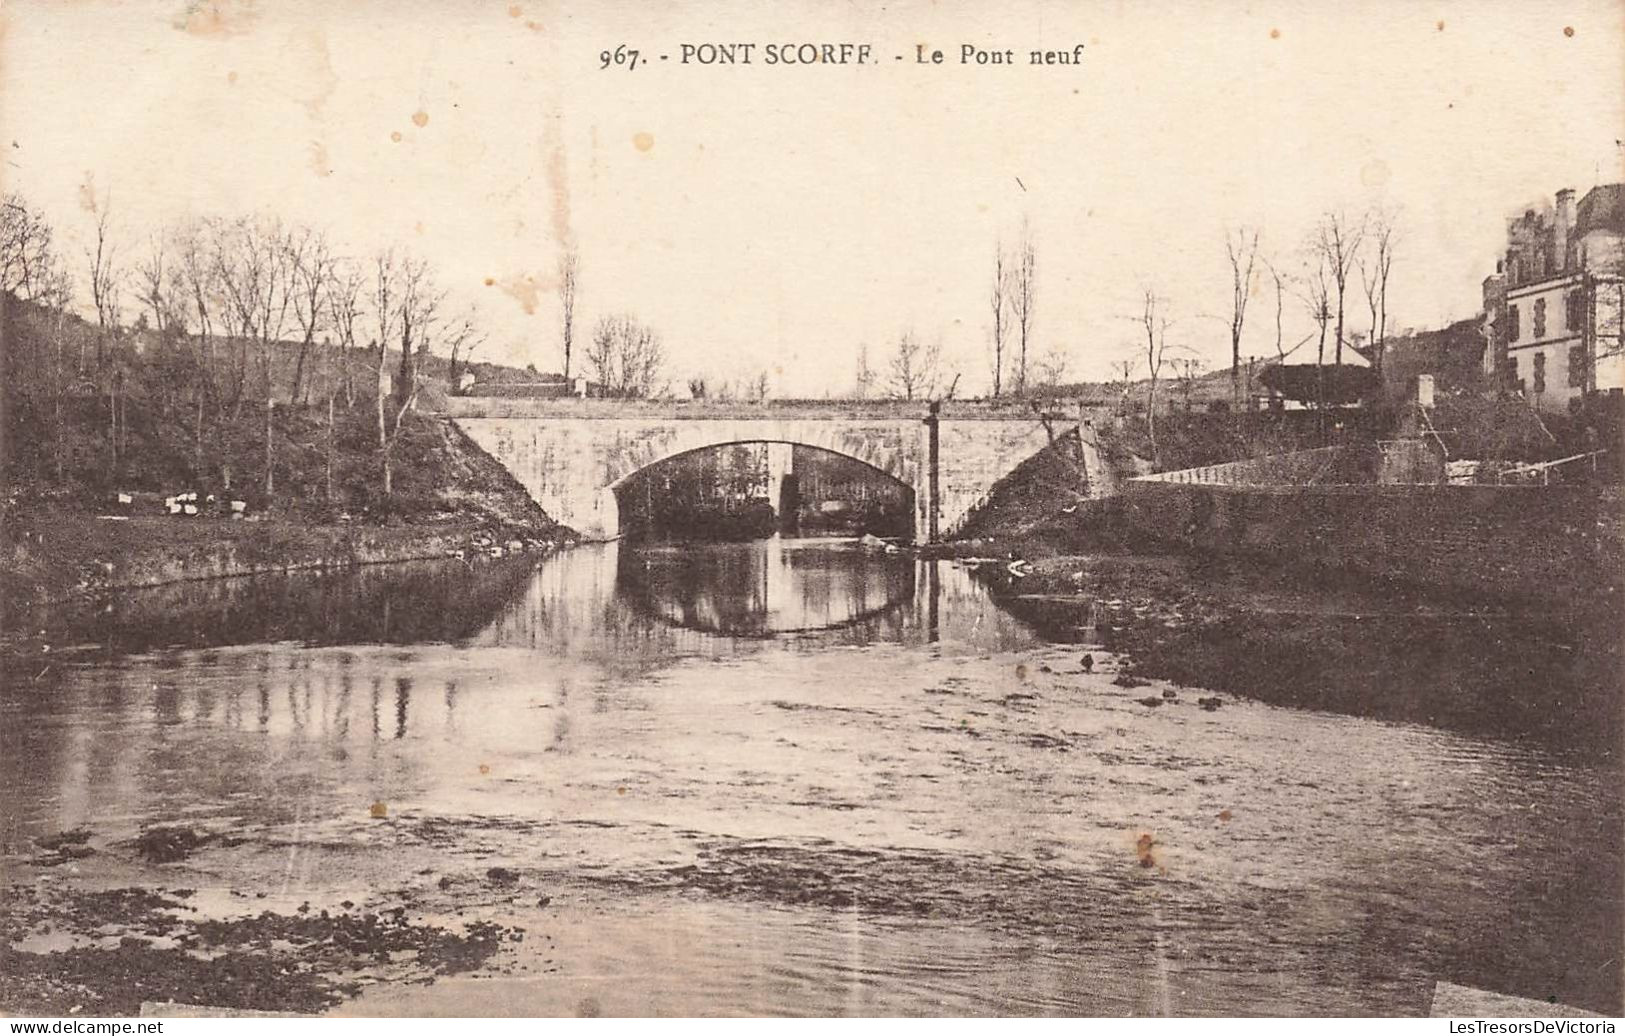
(1603, 208)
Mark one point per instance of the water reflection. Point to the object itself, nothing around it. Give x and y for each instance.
(628, 604)
(775, 586)
(760, 724)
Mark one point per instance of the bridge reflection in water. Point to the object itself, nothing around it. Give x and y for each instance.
(626, 601)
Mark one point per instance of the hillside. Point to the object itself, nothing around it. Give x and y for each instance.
(83, 436)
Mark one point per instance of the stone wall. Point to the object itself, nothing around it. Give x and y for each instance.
(1552, 544)
(1328, 465)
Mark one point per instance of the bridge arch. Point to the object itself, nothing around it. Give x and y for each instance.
(893, 460)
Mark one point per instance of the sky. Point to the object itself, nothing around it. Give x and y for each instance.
(779, 218)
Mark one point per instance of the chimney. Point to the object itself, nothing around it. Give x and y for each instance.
(1563, 228)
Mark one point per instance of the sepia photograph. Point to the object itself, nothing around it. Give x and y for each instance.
(674, 509)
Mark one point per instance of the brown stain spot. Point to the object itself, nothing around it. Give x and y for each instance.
(1568, 30)
(643, 141)
(534, 26)
(1142, 848)
(231, 78)
(87, 193)
(396, 136)
(558, 177)
(1224, 815)
(1439, 25)
(217, 19)
(420, 118)
(490, 281)
(485, 768)
(621, 790)
(319, 163)
(514, 10)
(1021, 671)
(1375, 173)
(526, 289)
(378, 810)
(1275, 34)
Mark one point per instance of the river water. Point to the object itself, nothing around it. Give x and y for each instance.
(802, 777)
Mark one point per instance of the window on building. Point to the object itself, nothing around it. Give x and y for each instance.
(1540, 321)
(1574, 311)
(1577, 365)
(1509, 373)
(1540, 372)
(1514, 324)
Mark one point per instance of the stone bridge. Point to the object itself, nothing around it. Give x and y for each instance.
(571, 455)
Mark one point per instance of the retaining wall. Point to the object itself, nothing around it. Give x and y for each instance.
(1553, 544)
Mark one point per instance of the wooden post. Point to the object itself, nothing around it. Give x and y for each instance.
(934, 493)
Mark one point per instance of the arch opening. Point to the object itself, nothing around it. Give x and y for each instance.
(754, 488)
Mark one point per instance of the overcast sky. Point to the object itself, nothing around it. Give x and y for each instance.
(772, 217)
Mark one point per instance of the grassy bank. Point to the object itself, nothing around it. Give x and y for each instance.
(75, 538)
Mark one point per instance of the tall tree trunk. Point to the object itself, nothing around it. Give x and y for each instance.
(331, 396)
(270, 455)
(112, 422)
(299, 370)
(1151, 416)
(1339, 344)
(1320, 383)
(197, 441)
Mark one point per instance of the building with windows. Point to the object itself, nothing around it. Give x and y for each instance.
(1553, 307)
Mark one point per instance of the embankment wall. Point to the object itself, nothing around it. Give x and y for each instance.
(1535, 543)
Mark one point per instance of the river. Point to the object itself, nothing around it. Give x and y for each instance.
(789, 777)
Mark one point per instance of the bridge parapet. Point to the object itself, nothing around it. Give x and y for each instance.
(718, 410)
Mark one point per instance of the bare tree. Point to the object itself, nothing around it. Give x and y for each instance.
(342, 294)
(158, 285)
(1154, 320)
(1123, 371)
(198, 292)
(1316, 296)
(420, 306)
(1188, 371)
(105, 278)
(760, 387)
(997, 300)
(1374, 279)
(384, 292)
(256, 274)
(1022, 301)
(1053, 368)
(27, 255)
(568, 266)
(310, 264)
(864, 381)
(462, 337)
(626, 357)
(409, 305)
(601, 352)
(346, 282)
(1241, 246)
(1337, 240)
(914, 367)
(1280, 305)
